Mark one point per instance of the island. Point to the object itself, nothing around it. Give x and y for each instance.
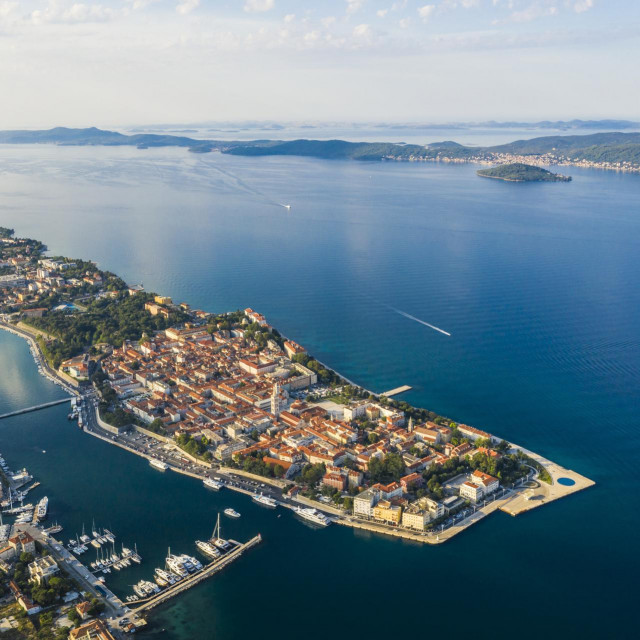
(618, 151)
(520, 172)
(228, 392)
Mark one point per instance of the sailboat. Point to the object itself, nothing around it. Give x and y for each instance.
(217, 538)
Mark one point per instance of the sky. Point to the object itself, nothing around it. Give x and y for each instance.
(142, 62)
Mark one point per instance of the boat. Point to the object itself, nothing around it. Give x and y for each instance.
(212, 483)
(207, 548)
(42, 508)
(191, 563)
(84, 537)
(158, 464)
(140, 592)
(55, 528)
(312, 515)
(109, 536)
(264, 500)
(217, 539)
(167, 576)
(176, 565)
(232, 513)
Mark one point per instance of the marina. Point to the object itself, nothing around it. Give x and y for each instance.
(154, 595)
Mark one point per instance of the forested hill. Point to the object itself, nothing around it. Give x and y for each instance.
(519, 172)
(609, 150)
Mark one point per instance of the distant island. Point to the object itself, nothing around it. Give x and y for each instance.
(615, 150)
(520, 172)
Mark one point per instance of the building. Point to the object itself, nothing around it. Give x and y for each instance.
(471, 491)
(94, 630)
(83, 609)
(336, 480)
(487, 482)
(364, 503)
(388, 512)
(414, 517)
(41, 569)
(23, 542)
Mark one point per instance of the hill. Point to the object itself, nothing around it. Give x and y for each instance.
(520, 172)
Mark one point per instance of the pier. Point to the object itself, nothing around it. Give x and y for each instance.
(396, 391)
(34, 408)
(203, 574)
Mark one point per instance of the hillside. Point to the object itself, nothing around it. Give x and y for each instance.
(614, 150)
(520, 172)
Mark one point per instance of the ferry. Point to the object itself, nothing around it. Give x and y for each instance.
(312, 515)
(264, 500)
(232, 513)
(213, 484)
(158, 464)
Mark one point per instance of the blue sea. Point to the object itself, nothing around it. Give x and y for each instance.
(537, 285)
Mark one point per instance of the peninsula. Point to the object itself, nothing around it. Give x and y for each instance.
(228, 393)
(519, 172)
(615, 150)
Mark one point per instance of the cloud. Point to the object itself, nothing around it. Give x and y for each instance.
(381, 13)
(328, 21)
(258, 6)
(404, 23)
(425, 11)
(362, 31)
(186, 6)
(353, 6)
(583, 5)
(77, 13)
(290, 17)
(534, 11)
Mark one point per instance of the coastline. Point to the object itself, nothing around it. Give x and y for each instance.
(513, 501)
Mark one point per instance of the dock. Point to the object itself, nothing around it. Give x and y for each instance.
(396, 391)
(192, 580)
(34, 408)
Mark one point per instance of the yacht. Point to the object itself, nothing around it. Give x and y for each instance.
(264, 500)
(42, 508)
(109, 536)
(140, 592)
(312, 515)
(158, 464)
(232, 513)
(191, 561)
(212, 483)
(176, 566)
(167, 576)
(207, 548)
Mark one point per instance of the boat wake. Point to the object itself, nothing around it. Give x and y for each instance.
(426, 324)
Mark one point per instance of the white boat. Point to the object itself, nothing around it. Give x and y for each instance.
(312, 515)
(232, 513)
(207, 548)
(158, 464)
(167, 576)
(217, 539)
(213, 484)
(176, 565)
(140, 592)
(190, 561)
(264, 500)
(42, 508)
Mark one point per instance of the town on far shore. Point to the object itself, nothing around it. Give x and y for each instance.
(200, 393)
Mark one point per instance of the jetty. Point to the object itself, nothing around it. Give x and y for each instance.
(206, 572)
(396, 391)
(34, 408)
